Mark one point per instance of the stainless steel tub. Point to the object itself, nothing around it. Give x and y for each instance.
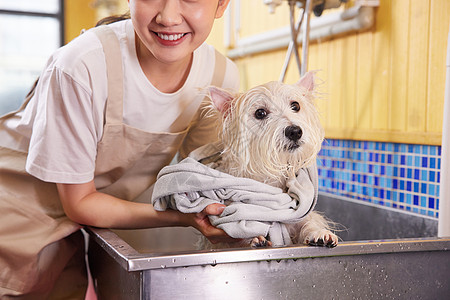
(162, 263)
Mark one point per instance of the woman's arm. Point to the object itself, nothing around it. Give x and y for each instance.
(83, 204)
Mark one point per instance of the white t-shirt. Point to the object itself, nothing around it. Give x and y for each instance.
(64, 121)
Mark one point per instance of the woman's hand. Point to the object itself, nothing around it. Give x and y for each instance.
(200, 221)
(83, 204)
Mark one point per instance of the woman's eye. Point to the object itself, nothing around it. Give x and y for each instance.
(295, 106)
(260, 113)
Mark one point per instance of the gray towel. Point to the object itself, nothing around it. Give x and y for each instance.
(253, 208)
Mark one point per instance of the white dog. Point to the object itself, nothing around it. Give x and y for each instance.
(269, 133)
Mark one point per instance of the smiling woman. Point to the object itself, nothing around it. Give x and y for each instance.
(110, 110)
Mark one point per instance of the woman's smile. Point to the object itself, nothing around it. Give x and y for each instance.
(170, 39)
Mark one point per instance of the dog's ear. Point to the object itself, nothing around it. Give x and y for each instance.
(307, 81)
(221, 99)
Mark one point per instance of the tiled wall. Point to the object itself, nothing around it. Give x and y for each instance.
(399, 176)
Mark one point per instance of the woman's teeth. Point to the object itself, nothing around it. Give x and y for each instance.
(170, 37)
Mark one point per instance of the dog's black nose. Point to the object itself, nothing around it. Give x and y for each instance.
(293, 132)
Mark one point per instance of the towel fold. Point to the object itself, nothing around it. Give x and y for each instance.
(253, 208)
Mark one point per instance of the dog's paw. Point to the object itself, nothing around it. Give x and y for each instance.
(324, 238)
(260, 242)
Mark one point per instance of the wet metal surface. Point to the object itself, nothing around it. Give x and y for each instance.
(407, 268)
(163, 264)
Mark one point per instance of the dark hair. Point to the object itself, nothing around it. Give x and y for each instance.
(113, 19)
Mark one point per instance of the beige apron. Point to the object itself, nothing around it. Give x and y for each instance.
(41, 250)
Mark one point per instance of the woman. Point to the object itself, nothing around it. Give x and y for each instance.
(110, 110)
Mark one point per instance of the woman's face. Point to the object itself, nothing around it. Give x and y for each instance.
(172, 29)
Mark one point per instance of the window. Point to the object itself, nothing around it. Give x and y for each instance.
(30, 31)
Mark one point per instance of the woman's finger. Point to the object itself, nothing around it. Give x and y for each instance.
(214, 209)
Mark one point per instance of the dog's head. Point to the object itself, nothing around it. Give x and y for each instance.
(272, 129)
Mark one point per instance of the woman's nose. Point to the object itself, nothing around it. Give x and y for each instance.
(169, 14)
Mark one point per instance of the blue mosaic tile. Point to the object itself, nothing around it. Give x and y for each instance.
(433, 151)
(424, 175)
(432, 163)
(401, 176)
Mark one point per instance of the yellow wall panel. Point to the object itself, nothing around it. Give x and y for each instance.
(439, 29)
(335, 68)
(399, 44)
(348, 82)
(364, 82)
(418, 65)
(273, 67)
(320, 65)
(313, 57)
(380, 77)
(384, 84)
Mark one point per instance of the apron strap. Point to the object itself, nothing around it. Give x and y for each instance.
(113, 57)
(219, 69)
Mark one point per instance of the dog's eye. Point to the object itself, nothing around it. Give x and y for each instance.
(260, 113)
(295, 106)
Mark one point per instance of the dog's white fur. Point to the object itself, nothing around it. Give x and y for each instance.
(257, 147)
